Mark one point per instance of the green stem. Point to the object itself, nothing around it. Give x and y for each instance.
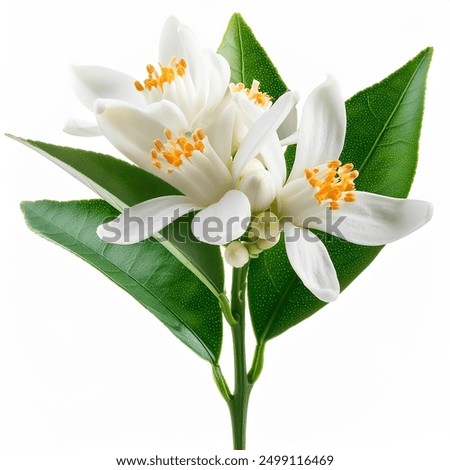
(238, 404)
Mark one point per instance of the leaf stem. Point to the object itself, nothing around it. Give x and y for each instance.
(221, 383)
(257, 364)
(226, 309)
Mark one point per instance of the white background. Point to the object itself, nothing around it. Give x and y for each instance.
(88, 375)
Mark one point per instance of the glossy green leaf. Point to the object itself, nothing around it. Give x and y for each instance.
(383, 129)
(145, 270)
(248, 60)
(122, 184)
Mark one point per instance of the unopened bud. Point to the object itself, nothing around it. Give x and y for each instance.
(253, 250)
(236, 254)
(253, 165)
(269, 243)
(265, 225)
(259, 187)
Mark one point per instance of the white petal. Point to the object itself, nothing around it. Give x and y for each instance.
(180, 41)
(217, 71)
(168, 43)
(223, 221)
(143, 220)
(249, 111)
(272, 155)
(263, 130)
(220, 133)
(289, 125)
(132, 130)
(375, 220)
(322, 127)
(310, 260)
(93, 82)
(82, 128)
(290, 139)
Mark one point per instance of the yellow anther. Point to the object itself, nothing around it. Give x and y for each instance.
(168, 134)
(333, 164)
(157, 165)
(154, 154)
(347, 168)
(159, 146)
(334, 205)
(200, 146)
(200, 133)
(138, 86)
(310, 173)
(188, 148)
(350, 186)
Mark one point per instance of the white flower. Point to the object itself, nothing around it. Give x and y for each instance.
(192, 78)
(198, 164)
(184, 124)
(320, 194)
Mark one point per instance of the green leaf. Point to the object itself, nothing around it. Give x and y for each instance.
(248, 60)
(383, 130)
(123, 185)
(145, 270)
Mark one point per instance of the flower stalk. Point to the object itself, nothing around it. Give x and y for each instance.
(242, 387)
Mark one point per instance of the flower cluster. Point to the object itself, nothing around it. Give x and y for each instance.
(222, 145)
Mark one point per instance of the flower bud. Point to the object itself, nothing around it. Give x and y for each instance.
(253, 250)
(259, 187)
(236, 254)
(269, 243)
(265, 226)
(253, 165)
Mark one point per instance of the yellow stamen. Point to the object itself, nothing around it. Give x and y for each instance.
(200, 133)
(334, 205)
(159, 146)
(349, 197)
(167, 74)
(199, 146)
(138, 86)
(175, 149)
(333, 164)
(336, 184)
